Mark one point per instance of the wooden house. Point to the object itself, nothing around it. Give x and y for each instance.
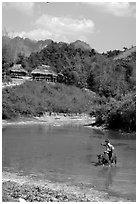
(17, 71)
(44, 72)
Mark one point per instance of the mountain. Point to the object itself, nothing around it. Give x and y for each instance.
(41, 44)
(25, 46)
(82, 45)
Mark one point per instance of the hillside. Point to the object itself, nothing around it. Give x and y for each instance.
(82, 45)
(126, 54)
(27, 46)
(113, 82)
(81, 67)
(36, 98)
(24, 46)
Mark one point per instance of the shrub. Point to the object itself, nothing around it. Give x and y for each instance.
(117, 114)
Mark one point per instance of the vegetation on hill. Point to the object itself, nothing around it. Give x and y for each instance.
(126, 54)
(36, 98)
(112, 79)
(23, 46)
(116, 113)
(82, 45)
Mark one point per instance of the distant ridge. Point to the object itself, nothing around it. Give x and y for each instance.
(27, 46)
(24, 45)
(82, 45)
(126, 53)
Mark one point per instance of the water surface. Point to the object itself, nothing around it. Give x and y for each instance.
(68, 154)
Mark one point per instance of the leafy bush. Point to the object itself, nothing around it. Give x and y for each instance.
(117, 114)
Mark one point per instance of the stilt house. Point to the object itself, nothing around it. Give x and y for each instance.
(17, 71)
(44, 72)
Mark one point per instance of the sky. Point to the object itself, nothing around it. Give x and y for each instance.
(103, 25)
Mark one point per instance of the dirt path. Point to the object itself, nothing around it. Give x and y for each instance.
(14, 82)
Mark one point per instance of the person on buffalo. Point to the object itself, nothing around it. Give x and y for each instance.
(109, 148)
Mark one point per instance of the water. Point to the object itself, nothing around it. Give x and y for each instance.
(68, 154)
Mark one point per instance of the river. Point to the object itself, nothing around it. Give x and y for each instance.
(68, 154)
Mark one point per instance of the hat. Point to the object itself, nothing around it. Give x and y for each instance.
(107, 140)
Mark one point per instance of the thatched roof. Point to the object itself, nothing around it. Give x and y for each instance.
(18, 68)
(43, 70)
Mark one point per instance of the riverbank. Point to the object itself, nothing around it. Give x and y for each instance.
(16, 187)
(53, 119)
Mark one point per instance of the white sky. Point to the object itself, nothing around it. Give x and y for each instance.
(103, 25)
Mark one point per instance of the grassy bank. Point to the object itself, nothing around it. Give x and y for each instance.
(36, 98)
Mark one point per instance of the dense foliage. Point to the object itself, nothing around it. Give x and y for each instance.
(116, 113)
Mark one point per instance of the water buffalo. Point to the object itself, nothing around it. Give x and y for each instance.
(103, 159)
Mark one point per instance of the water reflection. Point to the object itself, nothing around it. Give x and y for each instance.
(120, 135)
(108, 173)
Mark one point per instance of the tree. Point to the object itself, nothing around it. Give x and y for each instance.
(20, 58)
(125, 48)
(7, 59)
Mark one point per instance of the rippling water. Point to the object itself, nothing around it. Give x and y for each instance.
(68, 154)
